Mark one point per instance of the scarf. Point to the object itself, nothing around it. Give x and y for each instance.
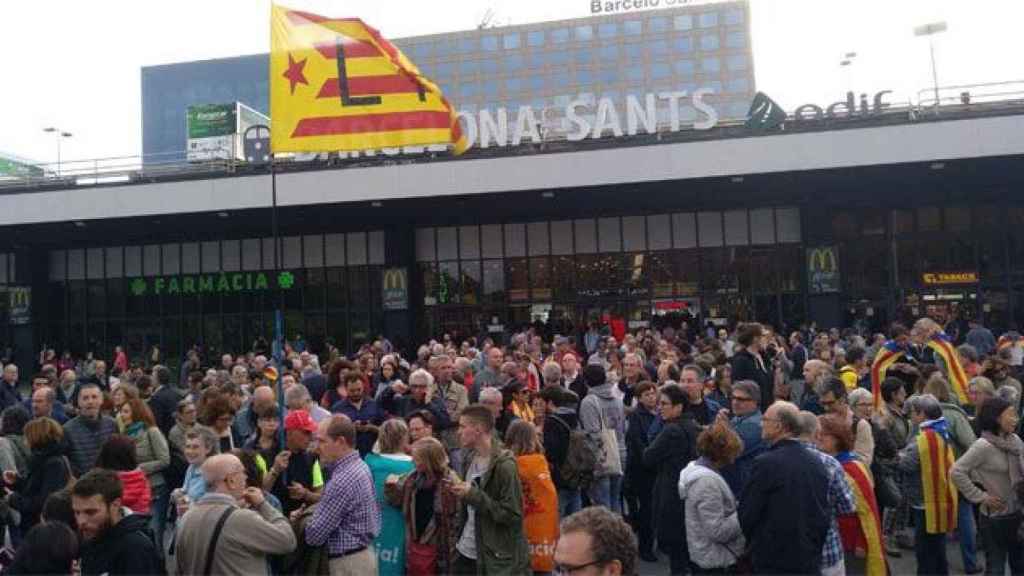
(1014, 452)
(887, 355)
(863, 487)
(941, 344)
(937, 490)
(135, 428)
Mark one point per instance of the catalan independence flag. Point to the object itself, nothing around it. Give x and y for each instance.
(887, 355)
(939, 493)
(943, 346)
(863, 487)
(338, 85)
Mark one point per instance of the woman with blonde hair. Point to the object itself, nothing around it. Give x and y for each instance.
(388, 459)
(540, 497)
(431, 532)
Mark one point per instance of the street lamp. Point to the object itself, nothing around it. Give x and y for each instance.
(60, 135)
(930, 30)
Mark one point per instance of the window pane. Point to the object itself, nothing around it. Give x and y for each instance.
(632, 27)
(115, 262)
(684, 230)
(540, 278)
(356, 249)
(560, 35)
(251, 254)
(189, 259)
(607, 30)
(586, 236)
(376, 246)
(733, 17)
(710, 226)
(583, 33)
(470, 282)
(491, 236)
(683, 22)
(494, 282)
(787, 221)
(93, 264)
(489, 43)
(515, 240)
(518, 279)
(151, 259)
(658, 24)
(709, 42)
(425, 249)
(537, 234)
(684, 68)
(447, 243)
(762, 226)
(710, 65)
(535, 38)
(292, 252)
(737, 62)
(928, 219)
(335, 246)
(313, 251)
(58, 265)
(609, 235)
(633, 234)
(736, 40)
(659, 232)
(709, 19)
(230, 256)
(561, 237)
(448, 283)
(510, 41)
(736, 228)
(958, 218)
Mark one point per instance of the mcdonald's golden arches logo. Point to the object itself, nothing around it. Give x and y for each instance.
(822, 270)
(395, 288)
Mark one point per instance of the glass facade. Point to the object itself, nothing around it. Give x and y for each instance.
(642, 269)
(537, 64)
(886, 257)
(220, 294)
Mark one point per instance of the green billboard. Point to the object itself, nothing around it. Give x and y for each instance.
(208, 120)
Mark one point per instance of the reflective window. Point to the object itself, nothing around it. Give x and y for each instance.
(537, 83)
(536, 60)
(739, 85)
(710, 226)
(609, 53)
(658, 24)
(709, 42)
(491, 237)
(584, 77)
(583, 56)
(683, 44)
(737, 62)
(560, 35)
(684, 67)
(513, 62)
(489, 66)
(560, 80)
(660, 70)
(535, 38)
(560, 58)
(468, 89)
(736, 40)
(683, 22)
(658, 48)
(468, 44)
(635, 73)
(489, 43)
(733, 17)
(491, 89)
(710, 65)
(709, 19)
(715, 86)
(468, 67)
(513, 84)
(510, 41)
(634, 50)
(607, 30)
(632, 27)
(609, 75)
(583, 33)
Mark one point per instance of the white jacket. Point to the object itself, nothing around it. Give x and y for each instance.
(713, 532)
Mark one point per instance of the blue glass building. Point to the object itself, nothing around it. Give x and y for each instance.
(543, 65)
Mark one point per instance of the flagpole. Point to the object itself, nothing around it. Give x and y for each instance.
(277, 349)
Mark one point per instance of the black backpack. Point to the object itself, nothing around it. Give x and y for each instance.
(577, 470)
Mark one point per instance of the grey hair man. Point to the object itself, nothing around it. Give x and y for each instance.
(551, 373)
(256, 529)
(298, 398)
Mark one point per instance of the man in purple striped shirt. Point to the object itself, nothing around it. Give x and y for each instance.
(347, 519)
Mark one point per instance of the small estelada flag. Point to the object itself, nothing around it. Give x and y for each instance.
(338, 85)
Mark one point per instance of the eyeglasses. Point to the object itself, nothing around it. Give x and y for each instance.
(568, 569)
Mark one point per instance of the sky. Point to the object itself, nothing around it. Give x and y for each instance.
(76, 65)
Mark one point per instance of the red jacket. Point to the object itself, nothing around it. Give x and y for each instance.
(136, 491)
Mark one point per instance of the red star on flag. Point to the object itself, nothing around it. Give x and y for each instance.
(294, 72)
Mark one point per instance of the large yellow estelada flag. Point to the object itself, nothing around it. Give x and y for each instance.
(338, 85)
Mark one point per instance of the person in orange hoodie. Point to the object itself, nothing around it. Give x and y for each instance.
(540, 498)
(118, 455)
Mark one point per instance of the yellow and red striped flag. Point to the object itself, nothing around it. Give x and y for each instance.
(338, 85)
(939, 492)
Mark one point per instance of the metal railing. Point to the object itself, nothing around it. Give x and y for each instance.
(962, 99)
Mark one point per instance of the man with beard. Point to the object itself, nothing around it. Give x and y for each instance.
(113, 543)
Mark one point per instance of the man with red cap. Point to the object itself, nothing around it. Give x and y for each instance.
(296, 478)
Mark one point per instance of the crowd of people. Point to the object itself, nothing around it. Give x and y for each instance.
(743, 451)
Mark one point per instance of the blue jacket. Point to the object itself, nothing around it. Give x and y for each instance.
(57, 413)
